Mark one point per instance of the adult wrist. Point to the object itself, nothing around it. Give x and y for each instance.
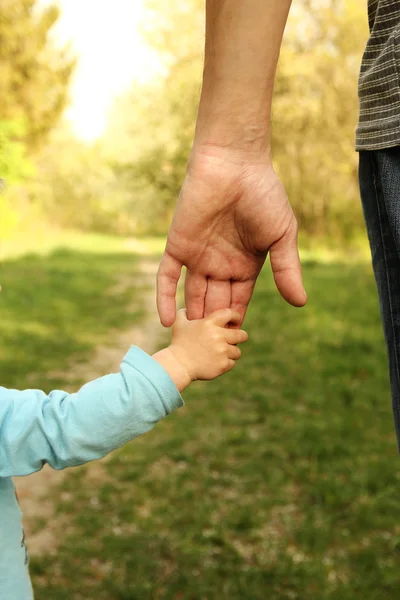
(228, 117)
(209, 158)
(232, 132)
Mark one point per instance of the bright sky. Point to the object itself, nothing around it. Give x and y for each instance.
(111, 55)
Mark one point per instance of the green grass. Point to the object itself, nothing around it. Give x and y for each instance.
(57, 306)
(279, 481)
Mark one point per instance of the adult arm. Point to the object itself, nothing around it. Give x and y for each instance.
(232, 208)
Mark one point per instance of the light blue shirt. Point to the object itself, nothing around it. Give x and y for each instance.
(65, 430)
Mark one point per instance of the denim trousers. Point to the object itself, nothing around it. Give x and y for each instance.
(379, 178)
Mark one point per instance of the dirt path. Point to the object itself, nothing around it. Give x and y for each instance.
(33, 491)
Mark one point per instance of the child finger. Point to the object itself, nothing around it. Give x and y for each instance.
(235, 336)
(229, 366)
(223, 316)
(181, 318)
(234, 353)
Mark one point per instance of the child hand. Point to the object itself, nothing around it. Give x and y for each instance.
(205, 347)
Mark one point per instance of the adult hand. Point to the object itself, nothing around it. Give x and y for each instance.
(232, 211)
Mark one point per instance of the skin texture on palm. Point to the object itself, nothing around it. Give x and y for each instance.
(232, 211)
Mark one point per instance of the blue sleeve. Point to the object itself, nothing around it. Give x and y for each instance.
(64, 429)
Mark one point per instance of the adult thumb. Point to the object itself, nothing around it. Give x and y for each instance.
(286, 268)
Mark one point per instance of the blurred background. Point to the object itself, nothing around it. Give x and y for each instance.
(278, 481)
(98, 105)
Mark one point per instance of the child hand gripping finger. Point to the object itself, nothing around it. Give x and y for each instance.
(65, 430)
(203, 348)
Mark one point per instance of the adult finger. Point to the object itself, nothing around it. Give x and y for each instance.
(195, 292)
(218, 296)
(285, 263)
(242, 292)
(169, 272)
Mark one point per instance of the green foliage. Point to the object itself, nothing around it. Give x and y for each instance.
(33, 93)
(76, 188)
(155, 176)
(158, 119)
(314, 117)
(14, 164)
(34, 73)
(131, 181)
(314, 114)
(8, 216)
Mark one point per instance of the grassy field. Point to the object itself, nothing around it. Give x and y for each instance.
(61, 298)
(279, 481)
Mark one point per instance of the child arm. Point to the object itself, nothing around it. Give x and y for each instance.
(64, 429)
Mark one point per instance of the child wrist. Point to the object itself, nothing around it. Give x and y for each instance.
(173, 367)
(182, 359)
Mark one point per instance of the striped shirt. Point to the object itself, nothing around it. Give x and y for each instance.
(379, 82)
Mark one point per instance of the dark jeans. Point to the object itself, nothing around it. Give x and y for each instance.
(379, 175)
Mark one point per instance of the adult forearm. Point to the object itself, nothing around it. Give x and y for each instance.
(243, 39)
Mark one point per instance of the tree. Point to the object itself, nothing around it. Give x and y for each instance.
(14, 167)
(14, 164)
(155, 122)
(314, 114)
(34, 73)
(75, 188)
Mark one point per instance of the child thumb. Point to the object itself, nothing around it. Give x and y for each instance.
(181, 315)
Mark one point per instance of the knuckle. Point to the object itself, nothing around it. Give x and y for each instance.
(216, 338)
(230, 315)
